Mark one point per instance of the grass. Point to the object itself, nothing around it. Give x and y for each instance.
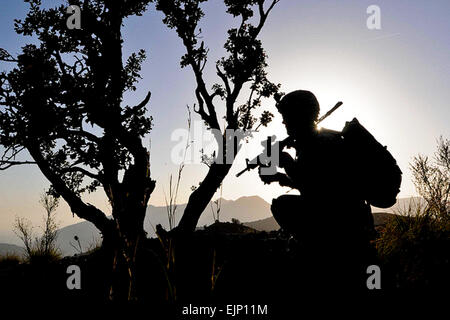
(10, 260)
(38, 256)
(415, 248)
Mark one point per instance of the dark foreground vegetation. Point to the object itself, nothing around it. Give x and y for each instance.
(229, 263)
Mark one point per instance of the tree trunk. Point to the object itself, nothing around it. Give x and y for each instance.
(200, 198)
(129, 208)
(121, 246)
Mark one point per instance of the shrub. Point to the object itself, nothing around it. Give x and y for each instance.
(415, 249)
(40, 249)
(432, 179)
(235, 221)
(9, 259)
(415, 246)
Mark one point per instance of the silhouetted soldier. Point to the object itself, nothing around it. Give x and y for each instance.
(330, 218)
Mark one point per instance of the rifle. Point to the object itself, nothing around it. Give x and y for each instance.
(255, 163)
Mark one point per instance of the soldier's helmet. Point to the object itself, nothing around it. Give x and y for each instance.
(299, 105)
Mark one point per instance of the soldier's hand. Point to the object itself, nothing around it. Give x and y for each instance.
(286, 160)
(267, 178)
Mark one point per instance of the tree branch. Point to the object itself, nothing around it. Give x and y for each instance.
(90, 136)
(263, 15)
(201, 109)
(77, 206)
(224, 79)
(83, 171)
(201, 86)
(6, 56)
(9, 164)
(144, 102)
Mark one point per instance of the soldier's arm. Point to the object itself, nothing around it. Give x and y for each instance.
(290, 167)
(279, 177)
(286, 161)
(284, 180)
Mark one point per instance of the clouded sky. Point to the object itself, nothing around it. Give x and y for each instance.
(394, 80)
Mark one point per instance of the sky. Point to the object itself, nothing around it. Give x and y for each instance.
(394, 80)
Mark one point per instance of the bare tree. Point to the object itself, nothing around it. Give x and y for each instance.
(42, 247)
(243, 70)
(50, 229)
(432, 178)
(24, 230)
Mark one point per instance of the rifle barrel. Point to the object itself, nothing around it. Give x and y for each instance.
(326, 115)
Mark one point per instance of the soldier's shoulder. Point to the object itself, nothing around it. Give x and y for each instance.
(325, 134)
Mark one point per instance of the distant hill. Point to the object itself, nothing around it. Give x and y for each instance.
(6, 248)
(268, 224)
(253, 212)
(402, 205)
(229, 228)
(90, 236)
(245, 209)
(86, 232)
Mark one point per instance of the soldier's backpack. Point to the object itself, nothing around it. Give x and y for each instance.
(376, 170)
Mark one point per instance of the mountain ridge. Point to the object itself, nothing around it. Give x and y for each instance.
(7, 248)
(251, 211)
